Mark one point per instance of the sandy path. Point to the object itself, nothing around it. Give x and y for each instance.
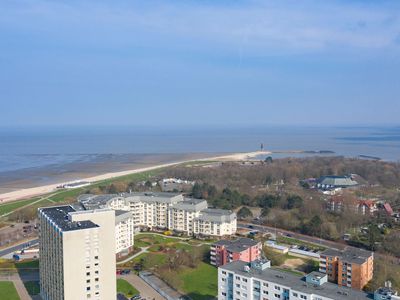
(36, 191)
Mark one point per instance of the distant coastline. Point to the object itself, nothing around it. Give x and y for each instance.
(40, 190)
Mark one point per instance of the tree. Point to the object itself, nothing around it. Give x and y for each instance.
(313, 227)
(264, 212)
(374, 236)
(244, 213)
(148, 184)
(294, 201)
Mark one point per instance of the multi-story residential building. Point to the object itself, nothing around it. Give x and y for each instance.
(216, 222)
(124, 232)
(77, 254)
(167, 211)
(239, 280)
(148, 209)
(182, 214)
(351, 267)
(226, 251)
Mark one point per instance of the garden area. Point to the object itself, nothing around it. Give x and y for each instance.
(290, 263)
(125, 288)
(8, 291)
(181, 262)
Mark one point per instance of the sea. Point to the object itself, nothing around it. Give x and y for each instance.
(45, 151)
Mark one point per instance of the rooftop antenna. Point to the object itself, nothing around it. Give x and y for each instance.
(262, 147)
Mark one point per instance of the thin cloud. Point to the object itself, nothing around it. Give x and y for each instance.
(263, 25)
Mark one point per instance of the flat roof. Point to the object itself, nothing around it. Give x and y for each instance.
(238, 245)
(90, 201)
(59, 215)
(350, 254)
(217, 215)
(296, 283)
(191, 204)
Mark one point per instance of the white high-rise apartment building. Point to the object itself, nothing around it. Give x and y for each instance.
(77, 254)
(167, 211)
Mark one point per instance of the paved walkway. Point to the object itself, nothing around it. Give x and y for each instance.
(145, 290)
(143, 250)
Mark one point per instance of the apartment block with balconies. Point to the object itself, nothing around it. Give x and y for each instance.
(351, 267)
(226, 251)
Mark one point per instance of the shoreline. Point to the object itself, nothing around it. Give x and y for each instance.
(45, 189)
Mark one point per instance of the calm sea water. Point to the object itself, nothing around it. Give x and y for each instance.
(27, 148)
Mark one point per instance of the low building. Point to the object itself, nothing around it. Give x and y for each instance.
(215, 222)
(388, 209)
(386, 293)
(366, 207)
(241, 281)
(352, 267)
(335, 182)
(226, 251)
(274, 245)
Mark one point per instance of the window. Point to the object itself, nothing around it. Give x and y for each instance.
(223, 272)
(303, 297)
(223, 279)
(244, 279)
(278, 288)
(265, 292)
(87, 273)
(295, 294)
(237, 278)
(265, 284)
(238, 293)
(88, 281)
(277, 296)
(88, 288)
(237, 285)
(96, 279)
(223, 294)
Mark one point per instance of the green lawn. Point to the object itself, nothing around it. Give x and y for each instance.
(124, 287)
(9, 207)
(63, 196)
(8, 291)
(30, 264)
(148, 239)
(32, 287)
(200, 283)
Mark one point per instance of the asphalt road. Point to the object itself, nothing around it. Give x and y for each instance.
(18, 247)
(302, 237)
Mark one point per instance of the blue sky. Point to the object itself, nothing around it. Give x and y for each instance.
(90, 62)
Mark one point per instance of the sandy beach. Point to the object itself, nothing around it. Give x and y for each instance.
(40, 190)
